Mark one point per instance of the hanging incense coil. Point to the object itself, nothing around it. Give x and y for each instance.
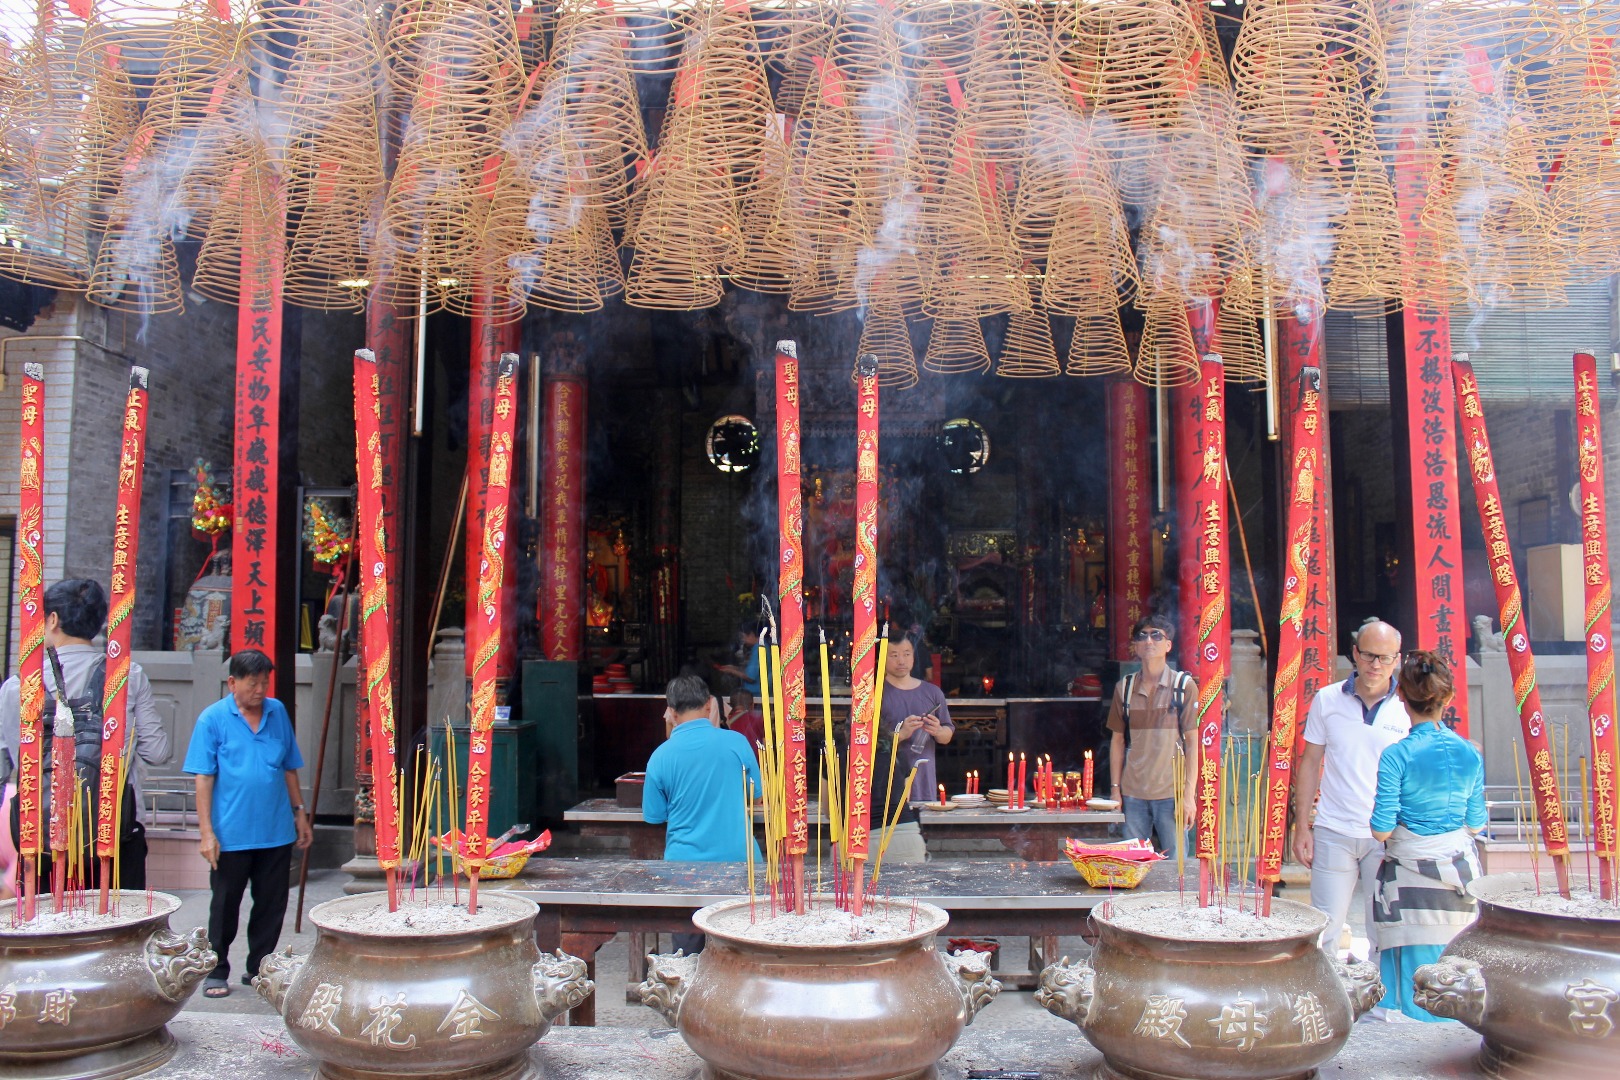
(466, 72)
(246, 229)
(45, 212)
(655, 33)
(1282, 67)
(332, 159)
(1012, 77)
(1027, 351)
(977, 267)
(1137, 63)
(1243, 349)
(956, 346)
(1063, 162)
(1090, 266)
(789, 30)
(765, 261)
(1167, 356)
(887, 336)
(1097, 346)
(944, 37)
(590, 81)
(1367, 254)
(823, 214)
(1586, 207)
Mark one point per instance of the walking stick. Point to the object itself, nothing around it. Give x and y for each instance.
(326, 729)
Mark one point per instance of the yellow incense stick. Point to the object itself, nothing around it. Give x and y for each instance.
(1580, 811)
(888, 790)
(455, 801)
(748, 832)
(888, 832)
(880, 679)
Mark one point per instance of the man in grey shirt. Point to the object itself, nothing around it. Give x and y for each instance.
(75, 612)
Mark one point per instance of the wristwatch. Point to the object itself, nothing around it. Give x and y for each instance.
(299, 809)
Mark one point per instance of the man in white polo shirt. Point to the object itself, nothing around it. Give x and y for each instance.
(1346, 730)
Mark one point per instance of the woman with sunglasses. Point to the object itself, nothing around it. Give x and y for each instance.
(1430, 804)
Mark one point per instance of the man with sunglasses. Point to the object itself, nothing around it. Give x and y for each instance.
(1346, 730)
(1154, 712)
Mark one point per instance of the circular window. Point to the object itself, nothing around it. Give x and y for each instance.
(733, 444)
(965, 446)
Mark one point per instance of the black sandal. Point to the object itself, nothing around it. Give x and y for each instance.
(216, 988)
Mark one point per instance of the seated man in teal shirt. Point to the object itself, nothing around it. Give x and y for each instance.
(695, 785)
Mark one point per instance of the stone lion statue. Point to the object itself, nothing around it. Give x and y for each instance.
(1451, 987)
(560, 983)
(1067, 990)
(1489, 640)
(668, 978)
(179, 963)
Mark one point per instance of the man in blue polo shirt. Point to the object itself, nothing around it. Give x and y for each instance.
(695, 784)
(250, 812)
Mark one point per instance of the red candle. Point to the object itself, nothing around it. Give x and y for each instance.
(1021, 778)
(942, 794)
(1012, 780)
(1088, 778)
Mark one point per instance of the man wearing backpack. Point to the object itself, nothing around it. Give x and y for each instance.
(75, 611)
(1153, 716)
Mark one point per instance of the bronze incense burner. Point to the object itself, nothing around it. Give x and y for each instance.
(94, 1001)
(440, 1002)
(838, 1010)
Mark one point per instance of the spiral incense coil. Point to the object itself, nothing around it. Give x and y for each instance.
(945, 36)
(109, 124)
(1586, 208)
(1097, 346)
(1090, 266)
(1281, 63)
(1243, 350)
(977, 267)
(800, 76)
(790, 30)
(1027, 351)
(247, 221)
(887, 336)
(1367, 253)
(590, 81)
(956, 346)
(765, 261)
(1167, 356)
(1063, 162)
(45, 212)
(1137, 63)
(824, 213)
(655, 34)
(467, 66)
(1012, 77)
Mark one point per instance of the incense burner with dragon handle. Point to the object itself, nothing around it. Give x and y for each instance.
(1162, 1007)
(438, 994)
(1542, 989)
(93, 997)
(830, 1010)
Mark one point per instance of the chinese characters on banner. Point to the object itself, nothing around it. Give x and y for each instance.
(31, 584)
(376, 623)
(1600, 696)
(1432, 455)
(256, 462)
(1130, 520)
(120, 607)
(1305, 468)
(863, 655)
(489, 343)
(562, 529)
(1521, 660)
(1213, 640)
(389, 338)
(1301, 349)
(790, 596)
(489, 606)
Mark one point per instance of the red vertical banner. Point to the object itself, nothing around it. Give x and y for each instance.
(1304, 465)
(1442, 618)
(376, 623)
(256, 461)
(388, 337)
(863, 654)
(1214, 634)
(489, 343)
(562, 531)
(1600, 696)
(1130, 540)
(485, 631)
(31, 590)
(1186, 466)
(1505, 579)
(790, 597)
(120, 607)
(1300, 374)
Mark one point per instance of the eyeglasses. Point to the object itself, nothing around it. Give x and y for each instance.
(1379, 659)
(1149, 635)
